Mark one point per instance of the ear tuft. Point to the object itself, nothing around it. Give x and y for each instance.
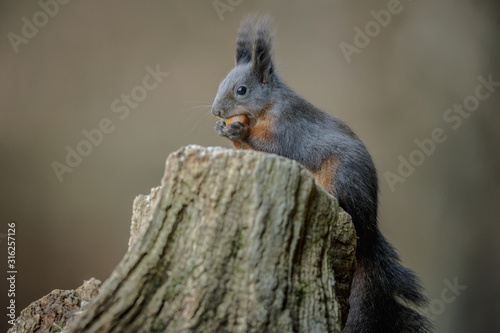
(262, 63)
(254, 44)
(244, 41)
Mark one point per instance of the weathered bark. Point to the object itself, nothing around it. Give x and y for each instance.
(53, 311)
(233, 241)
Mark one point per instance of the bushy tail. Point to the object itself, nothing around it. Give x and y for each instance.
(385, 294)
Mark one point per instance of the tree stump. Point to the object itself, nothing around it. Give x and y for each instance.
(53, 311)
(232, 241)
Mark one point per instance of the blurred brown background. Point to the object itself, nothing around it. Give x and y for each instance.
(64, 78)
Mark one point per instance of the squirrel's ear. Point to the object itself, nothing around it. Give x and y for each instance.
(262, 64)
(244, 42)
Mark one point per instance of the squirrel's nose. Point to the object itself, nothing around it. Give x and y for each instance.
(216, 112)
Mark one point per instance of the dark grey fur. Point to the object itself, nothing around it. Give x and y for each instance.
(382, 287)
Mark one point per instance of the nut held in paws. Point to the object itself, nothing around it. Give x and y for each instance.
(238, 118)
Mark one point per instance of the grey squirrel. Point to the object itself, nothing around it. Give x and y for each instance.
(281, 122)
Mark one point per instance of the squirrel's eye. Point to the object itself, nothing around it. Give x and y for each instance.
(242, 90)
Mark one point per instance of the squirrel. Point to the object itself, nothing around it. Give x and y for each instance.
(383, 293)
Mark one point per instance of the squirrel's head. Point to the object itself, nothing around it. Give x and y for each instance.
(247, 89)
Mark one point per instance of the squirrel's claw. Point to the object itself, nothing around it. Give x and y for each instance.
(235, 131)
(220, 127)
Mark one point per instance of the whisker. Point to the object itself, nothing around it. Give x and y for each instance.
(203, 117)
(195, 102)
(188, 118)
(195, 108)
(202, 106)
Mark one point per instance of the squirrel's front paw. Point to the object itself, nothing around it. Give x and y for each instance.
(220, 127)
(235, 131)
